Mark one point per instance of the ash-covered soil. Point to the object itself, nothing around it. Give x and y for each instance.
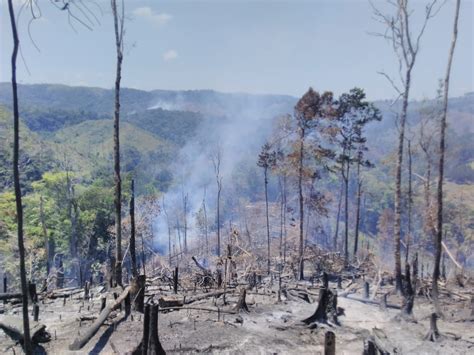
(271, 327)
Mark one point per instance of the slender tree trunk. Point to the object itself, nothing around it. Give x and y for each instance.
(284, 218)
(357, 221)
(339, 204)
(133, 255)
(410, 203)
(16, 177)
(45, 236)
(280, 184)
(118, 26)
(268, 221)
(301, 203)
(346, 212)
(206, 234)
(442, 149)
(398, 182)
(218, 218)
(185, 202)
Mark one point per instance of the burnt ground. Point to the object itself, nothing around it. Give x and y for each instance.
(271, 327)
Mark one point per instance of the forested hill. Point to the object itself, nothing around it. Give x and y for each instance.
(73, 123)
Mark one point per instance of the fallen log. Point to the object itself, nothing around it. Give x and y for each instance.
(9, 296)
(13, 327)
(382, 342)
(84, 339)
(206, 271)
(170, 302)
(368, 301)
(203, 296)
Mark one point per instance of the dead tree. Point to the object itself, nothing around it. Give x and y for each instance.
(133, 255)
(216, 161)
(16, 177)
(406, 47)
(267, 160)
(119, 32)
(442, 150)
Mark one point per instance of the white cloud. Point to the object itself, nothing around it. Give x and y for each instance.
(148, 14)
(170, 55)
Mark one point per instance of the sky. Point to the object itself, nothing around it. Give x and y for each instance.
(276, 47)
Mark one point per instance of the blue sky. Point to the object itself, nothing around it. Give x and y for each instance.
(264, 46)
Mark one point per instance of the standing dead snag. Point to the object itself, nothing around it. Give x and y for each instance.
(442, 148)
(119, 31)
(327, 305)
(16, 177)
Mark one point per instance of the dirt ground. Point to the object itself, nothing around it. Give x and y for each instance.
(271, 327)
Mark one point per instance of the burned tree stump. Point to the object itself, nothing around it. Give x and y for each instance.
(154, 345)
(241, 303)
(330, 343)
(366, 290)
(146, 329)
(137, 293)
(327, 305)
(369, 347)
(86, 290)
(35, 312)
(433, 334)
(175, 280)
(408, 294)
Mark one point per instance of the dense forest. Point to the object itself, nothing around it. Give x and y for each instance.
(272, 201)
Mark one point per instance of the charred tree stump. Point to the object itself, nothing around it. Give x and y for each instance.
(219, 278)
(369, 347)
(408, 294)
(35, 312)
(330, 343)
(103, 302)
(241, 303)
(32, 292)
(86, 290)
(366, 290)
(327, 305)
(175, 280)
(146, 329)
(5, 288)
(128, 305)
(154, 345)
(339, 282)
(433, 333)
(137, 293)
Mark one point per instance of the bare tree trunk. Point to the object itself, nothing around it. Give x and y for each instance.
(118, 26)
(336, 234)
(442, 149)
(133, 255)
(47, 242)
(206, 234)
(359, 195)
(185, 205)
(16, 177)
(398, 182)
(265, 172)
(346, 211)
(169, 229)
(410, 203)
(301, 203)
